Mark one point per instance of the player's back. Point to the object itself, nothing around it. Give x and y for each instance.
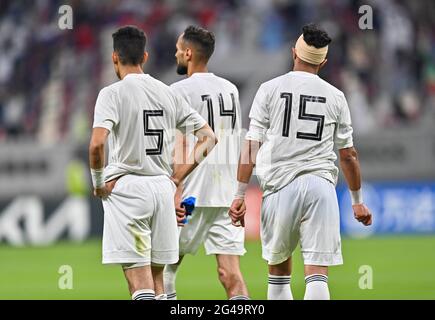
(143, 116)
(304, 116)
(216, 99)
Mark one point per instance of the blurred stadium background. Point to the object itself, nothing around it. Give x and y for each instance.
(49, 80)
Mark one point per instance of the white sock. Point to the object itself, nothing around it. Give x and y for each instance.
(316, 287)
(162, 296)
(144, 294)
(169, 276)
(240, 297)
(279, 288)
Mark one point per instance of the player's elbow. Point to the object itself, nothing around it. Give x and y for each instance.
(95, 147)
(348, 155)
(209, 135)
(213, 139)
(207, 138)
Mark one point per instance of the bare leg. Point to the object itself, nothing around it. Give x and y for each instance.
(310, 270)
(282, 269)
(157, 272)
(230, 275)
(139, 278)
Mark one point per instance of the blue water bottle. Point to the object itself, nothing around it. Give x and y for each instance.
(189, 205)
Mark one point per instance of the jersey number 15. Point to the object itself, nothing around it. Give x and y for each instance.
(303, 115)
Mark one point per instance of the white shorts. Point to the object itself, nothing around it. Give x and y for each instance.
(212, 226)
(140, 225)
(305, 210)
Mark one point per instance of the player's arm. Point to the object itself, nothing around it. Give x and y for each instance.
(205, 143)
(180, 157)
(244, 172)
(189, 120)
(259, 116)
(105, 118)
(247, 160)
(96, 160)
(349, 163)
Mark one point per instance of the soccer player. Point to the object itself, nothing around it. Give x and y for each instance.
(295, 121)
(138, 115)
(213, 183)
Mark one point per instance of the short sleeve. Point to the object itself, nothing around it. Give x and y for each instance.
(343, 132)
(105, 114)
(187, 119)
(259, 116)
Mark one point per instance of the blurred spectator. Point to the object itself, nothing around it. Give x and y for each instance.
(49, 78)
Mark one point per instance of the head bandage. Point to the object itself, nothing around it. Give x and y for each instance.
(309, 53)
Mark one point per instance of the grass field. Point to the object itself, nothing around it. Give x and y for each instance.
(403, 268)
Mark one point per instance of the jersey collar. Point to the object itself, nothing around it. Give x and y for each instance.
(303, 73)
(202, 74)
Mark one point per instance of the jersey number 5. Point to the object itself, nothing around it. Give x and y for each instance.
(153, 132)
(303, 115)
(222, 111)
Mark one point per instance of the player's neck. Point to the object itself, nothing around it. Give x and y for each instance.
(125, 70)
(197, 69)
(305, 68)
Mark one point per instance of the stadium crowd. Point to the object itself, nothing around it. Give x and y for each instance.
(49, 78)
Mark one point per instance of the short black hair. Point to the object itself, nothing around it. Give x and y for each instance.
(203, 40)
(315, 36)
(129, 43)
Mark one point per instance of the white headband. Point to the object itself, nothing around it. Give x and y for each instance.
(309, 53)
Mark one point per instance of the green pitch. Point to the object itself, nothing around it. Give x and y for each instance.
(403, 268)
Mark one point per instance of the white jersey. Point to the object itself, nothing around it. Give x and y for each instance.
(214, 182)
(298, 117)
(142, 113)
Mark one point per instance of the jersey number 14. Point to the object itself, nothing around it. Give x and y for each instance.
(222, 111)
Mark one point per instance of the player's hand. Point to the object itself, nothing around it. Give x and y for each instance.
(237, 212)
(179, 210)
(101, 193)
(110, 185)
(362, 214)
(104, 192)
(181, 216)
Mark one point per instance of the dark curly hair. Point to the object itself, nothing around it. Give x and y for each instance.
(314, 36)
(202, 39)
